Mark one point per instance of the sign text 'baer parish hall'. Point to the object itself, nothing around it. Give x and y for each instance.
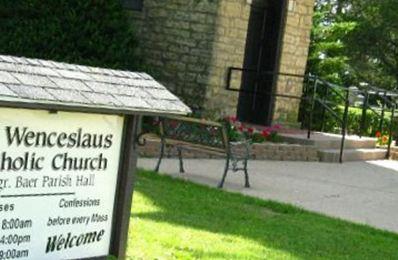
(67, 156)
(58, 176)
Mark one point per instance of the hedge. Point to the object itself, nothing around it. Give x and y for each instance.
(88, 32)
(354, 120)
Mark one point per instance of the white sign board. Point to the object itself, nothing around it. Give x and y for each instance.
(58, 176)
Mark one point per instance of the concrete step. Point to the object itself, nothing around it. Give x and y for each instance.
(394, 153)
(330, 141)
(361, 154)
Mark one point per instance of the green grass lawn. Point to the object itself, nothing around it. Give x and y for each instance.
(177, 219)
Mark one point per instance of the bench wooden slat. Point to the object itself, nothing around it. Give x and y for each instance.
(185, 127)
(192, 146)
(195, 120)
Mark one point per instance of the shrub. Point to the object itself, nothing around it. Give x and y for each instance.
(96, 32)
(372, 123)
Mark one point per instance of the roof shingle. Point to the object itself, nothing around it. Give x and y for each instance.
(47, 82)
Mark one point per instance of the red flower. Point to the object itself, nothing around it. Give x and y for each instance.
(268, 129)
(241, 128)
(277, 126)
(265, 133)
(233, 119)
(378, 134)
(250, 130)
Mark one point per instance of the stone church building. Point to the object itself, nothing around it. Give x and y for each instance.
(199, 48)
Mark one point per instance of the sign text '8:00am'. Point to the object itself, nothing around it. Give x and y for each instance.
(58, 176)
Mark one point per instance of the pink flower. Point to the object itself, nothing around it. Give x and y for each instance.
(250, 130)
(277, 126)
(233, 119)
(241, 128)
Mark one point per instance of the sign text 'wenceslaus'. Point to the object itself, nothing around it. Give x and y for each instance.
(58, 175)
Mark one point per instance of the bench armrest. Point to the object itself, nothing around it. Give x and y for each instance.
(240, 149)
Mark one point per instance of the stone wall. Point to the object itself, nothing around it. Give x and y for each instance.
(190, 44)
(264, 151)
(294, 53)
(228, 51)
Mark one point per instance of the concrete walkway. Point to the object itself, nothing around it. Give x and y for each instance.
(362, 192)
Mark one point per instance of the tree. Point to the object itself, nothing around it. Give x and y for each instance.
(373, 43)
(97, 33)
(327, 58)
(355, 41)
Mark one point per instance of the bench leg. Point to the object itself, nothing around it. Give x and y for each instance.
(221, 184)
(247, 184)
(160, 157)
(180, 159)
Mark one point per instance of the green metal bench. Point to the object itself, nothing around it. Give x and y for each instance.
(206, 136)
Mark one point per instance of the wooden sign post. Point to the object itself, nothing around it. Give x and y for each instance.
(68, 155)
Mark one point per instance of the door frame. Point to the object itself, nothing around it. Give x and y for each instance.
(276, 61)
(282, 31)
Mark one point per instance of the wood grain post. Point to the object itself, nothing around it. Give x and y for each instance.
(125, 187)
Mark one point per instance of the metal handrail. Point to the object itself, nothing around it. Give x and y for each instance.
(329, 109)
(310, 99)
(325, 106)
(392, 104)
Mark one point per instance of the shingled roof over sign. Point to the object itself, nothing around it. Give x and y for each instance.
(53, 84)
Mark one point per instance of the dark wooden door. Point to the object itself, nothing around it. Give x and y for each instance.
(261, 54)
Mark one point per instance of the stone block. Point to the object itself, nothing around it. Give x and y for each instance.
(209, 36)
